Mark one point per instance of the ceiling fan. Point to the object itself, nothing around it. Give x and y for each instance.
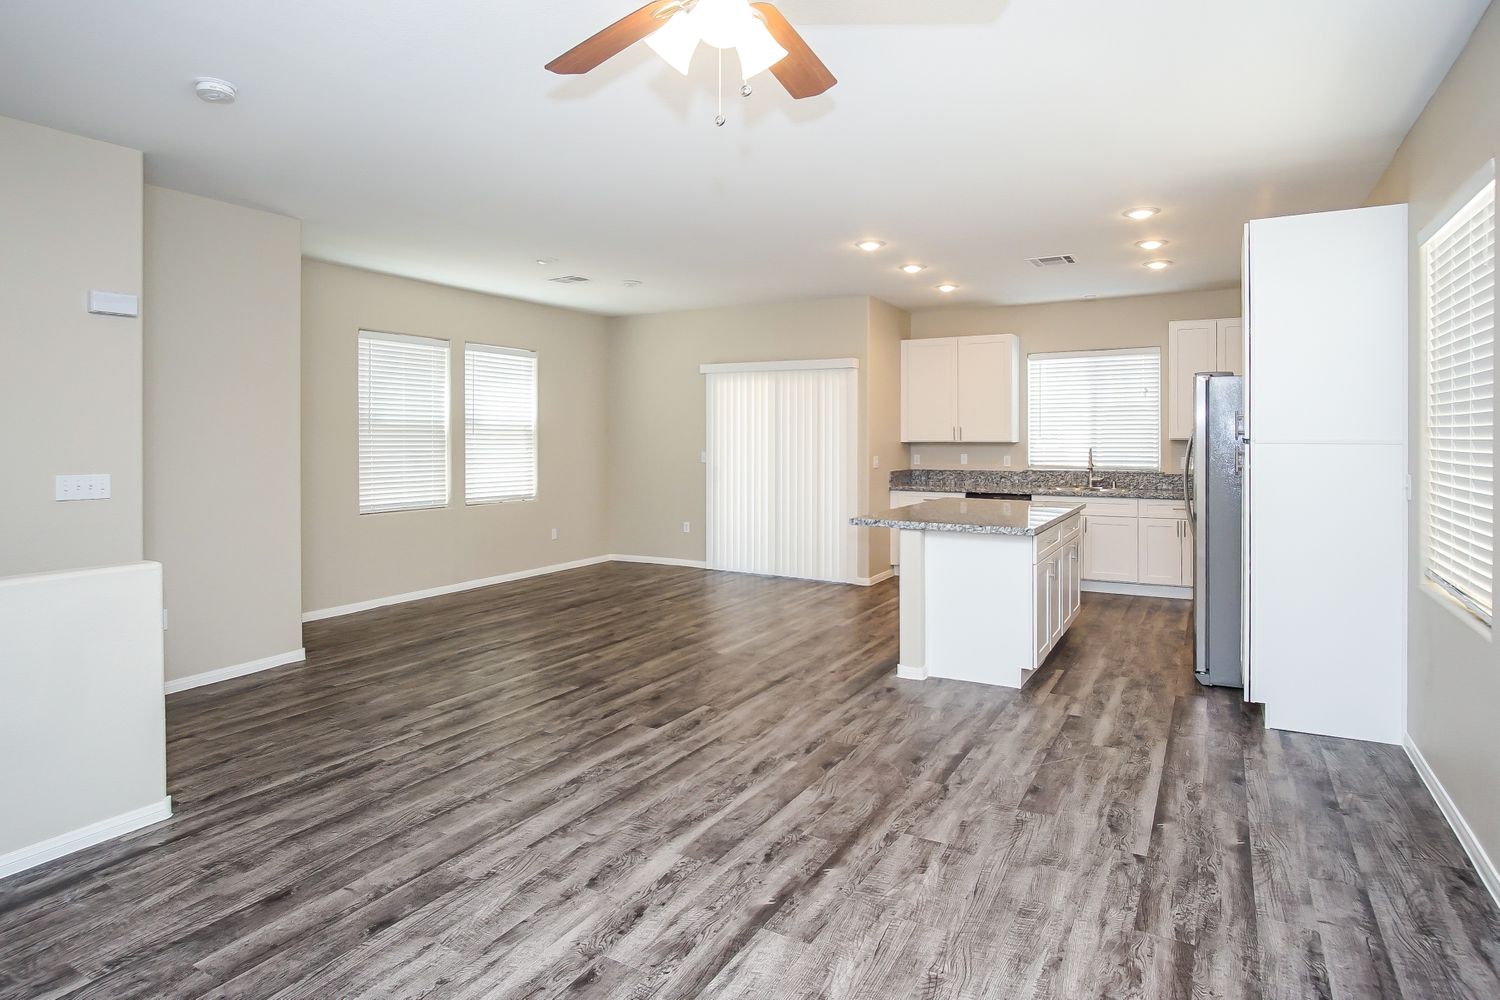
(758, 32)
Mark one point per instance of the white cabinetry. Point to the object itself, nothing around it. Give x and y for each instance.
(1134, 541)
(1198, 345)
(961, 389)
(1058, 585)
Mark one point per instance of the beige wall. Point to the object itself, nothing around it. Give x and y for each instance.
(1453, 682)
(888, 327)
(70, 384)
(657, 406)
(349, 557)
(1139, 321)
(222, 424)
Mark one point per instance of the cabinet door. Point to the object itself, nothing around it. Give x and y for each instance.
(1161, 551)
(1193, 346)
(1041, 606)
(989, 398)
(1073, 560)
(1110, 549)
(929, 389)
(1057, 601)
(1188, 554)
(1232, 346)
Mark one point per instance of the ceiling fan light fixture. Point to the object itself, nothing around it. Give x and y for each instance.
(676, 41)
(758, 49)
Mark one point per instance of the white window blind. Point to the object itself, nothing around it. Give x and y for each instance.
(499, 424)
(1109, 401)
(1458, 265)
(403, 422)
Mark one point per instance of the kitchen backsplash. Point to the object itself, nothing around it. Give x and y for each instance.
(1038, 481)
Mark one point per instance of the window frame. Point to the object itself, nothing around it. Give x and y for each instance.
(1152, 351)
(359, 418)
(1449, 594)
(480, 347)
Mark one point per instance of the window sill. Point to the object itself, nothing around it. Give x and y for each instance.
(1443, 599)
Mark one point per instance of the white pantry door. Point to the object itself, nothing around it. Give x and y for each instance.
(783, 468)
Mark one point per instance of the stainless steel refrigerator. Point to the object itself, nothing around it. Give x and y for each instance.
(1215, 504)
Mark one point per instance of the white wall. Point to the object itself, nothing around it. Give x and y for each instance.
(223, 428)
(70, 384)
(82, 722)
(1453, 683)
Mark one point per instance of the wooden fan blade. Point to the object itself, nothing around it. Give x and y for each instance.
(615, 39)
(802, 73)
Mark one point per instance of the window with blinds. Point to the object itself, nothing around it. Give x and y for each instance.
(1458, 298)
(403, 422)
(499, 424)
(1109, 401)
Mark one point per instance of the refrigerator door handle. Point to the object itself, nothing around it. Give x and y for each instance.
(1187, 482)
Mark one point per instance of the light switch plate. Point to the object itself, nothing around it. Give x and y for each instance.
(93, 487)
(963, 458)
(113, 303)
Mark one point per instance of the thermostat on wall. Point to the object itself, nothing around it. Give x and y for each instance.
(113, 303)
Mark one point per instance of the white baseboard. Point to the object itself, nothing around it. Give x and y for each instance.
(76, 840)
(237, 670)
(1471, 845)
(906, 673)
(659, 561)
(1136, 589)
(450, 588)
(870, 581)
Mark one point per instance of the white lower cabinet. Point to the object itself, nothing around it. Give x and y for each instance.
(1058, 592)
(1111, 549)
(1161, 551)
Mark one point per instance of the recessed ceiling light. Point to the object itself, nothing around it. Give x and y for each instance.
(947, 286)
(1158, 265)
(1090, 297)
(870, 246)
(913, 268)
(1151, 244)
(214, 90)
(1144, 212)
(631, 282)
(544, 261)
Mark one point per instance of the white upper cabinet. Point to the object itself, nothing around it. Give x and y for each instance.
(961, 389)
(1198, 345)
(929, 389)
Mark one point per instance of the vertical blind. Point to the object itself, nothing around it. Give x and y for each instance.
(403, 422)
(1458, 264)
(1109, 401)
(499, 424)
(783, 472)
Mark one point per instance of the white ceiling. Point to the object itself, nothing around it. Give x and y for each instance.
(424, 138)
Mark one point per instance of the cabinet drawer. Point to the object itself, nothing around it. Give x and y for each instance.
(1071, 527)
(1046, 542)
(1163, 508)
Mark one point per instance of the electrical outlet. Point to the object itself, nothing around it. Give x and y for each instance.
(703, 457)
(687, 527)
(1007, 461)
(554, 534)
(95, 487)
(963, 458)
(916, 459)
(875, 462)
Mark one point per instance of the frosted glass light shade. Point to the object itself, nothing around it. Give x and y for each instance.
(758, 49)
(676, 41)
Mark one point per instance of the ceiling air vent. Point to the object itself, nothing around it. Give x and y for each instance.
(1062, 258)
(569, 279)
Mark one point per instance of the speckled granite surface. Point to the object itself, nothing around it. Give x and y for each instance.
(1142, 485)
(976, 517)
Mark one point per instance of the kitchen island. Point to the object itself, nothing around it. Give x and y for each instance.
(988, 587)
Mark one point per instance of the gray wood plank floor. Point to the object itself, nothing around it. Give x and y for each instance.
(629, 781)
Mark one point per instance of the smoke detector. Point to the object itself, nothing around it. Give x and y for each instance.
(214, 91)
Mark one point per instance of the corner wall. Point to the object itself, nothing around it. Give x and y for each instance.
(1101, 324)
(223, 430)
(70, 384)
(1453, 677)
(350, 558)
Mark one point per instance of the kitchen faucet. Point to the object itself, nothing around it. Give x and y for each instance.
(1095, 482)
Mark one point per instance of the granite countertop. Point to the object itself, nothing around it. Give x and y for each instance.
(1040, 482)
(978, 517)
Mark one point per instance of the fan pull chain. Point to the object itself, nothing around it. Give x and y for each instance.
(720, 119)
